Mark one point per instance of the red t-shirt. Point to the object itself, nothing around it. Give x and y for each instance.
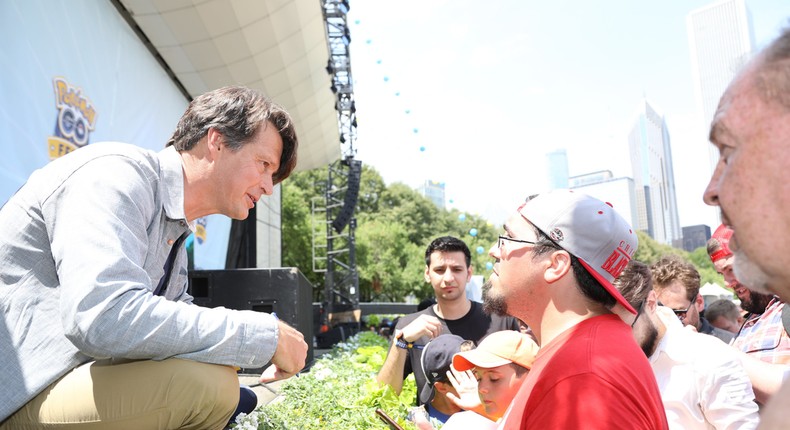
(592, 376)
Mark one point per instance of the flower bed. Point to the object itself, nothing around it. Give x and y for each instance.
(338, 392)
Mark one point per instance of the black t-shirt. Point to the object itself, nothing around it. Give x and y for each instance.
(474, 326)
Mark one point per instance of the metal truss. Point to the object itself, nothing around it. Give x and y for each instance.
(336, 252)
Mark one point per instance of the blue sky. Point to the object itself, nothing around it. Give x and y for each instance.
(486, 89)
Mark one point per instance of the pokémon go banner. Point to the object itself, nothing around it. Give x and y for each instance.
(74, 73)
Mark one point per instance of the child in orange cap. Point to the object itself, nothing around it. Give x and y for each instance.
(499, 364)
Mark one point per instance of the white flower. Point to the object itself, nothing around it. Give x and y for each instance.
(322, 373)
(247, 421)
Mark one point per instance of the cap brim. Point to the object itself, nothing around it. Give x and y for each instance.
(427, 392)
(608, 287)
(477, 358)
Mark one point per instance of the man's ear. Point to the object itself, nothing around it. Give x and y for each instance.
(651, 302)
(560, 264)
(214, 140)
(427, 275)
(699, 303)
(441, 387)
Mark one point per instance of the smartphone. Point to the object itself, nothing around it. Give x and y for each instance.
(388, 419)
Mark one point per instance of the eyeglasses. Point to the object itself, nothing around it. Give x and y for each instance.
(638, 312)
(680, 313)
(502, 240)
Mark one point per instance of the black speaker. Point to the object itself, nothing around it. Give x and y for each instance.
(284, 291)
(352, 194)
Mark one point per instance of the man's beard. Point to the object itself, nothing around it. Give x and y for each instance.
(749, 273)
(757, 302)
(649, 343)
(491, 303)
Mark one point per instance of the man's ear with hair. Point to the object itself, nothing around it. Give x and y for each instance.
(559, 266)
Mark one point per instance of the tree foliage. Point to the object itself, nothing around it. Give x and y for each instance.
(394, 226)
(650, 251)
(389, 265)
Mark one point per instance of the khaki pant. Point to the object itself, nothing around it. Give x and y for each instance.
(137, 395)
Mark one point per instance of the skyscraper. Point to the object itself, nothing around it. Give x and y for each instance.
(619, 192)
(434, 191)
(654, 178)
(721, 39)
(557, 169)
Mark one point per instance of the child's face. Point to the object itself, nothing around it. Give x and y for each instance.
(497, 387)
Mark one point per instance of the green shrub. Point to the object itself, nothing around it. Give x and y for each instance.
(374, 320)
(340, 391)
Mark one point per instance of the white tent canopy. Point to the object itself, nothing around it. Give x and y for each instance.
(714, 292)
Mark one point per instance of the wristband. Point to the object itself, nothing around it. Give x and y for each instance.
(401, 343)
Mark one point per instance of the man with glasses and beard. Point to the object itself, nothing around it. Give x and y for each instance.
(702, 382)
(677, 283)
(763, 334)
(554, 270)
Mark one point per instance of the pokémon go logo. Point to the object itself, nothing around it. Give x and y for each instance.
(76, 119)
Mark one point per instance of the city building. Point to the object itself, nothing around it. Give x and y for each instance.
(434, 191)
(604, 186)
(590, 178)
(653, 175)
(557, 163)
(721, 39)
(695, 236)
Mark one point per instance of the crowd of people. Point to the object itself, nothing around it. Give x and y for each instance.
(98, 330)
(621, 344)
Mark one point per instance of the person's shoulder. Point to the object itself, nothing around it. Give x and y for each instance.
(408, 318)
(723, 335)
(685, 345)
(597, 341)
(121, 149)
(113, 155)
(117, 164)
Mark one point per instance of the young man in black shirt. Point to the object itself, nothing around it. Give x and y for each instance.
(448, 269)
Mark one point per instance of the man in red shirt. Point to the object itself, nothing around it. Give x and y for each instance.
(554, 271)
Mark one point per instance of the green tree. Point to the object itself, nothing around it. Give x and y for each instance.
(700, 258)
(417, 214)
(297, 230)
(371, 190)
(650, 251)
(387, 262)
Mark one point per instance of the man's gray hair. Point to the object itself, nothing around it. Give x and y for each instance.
(773, 74)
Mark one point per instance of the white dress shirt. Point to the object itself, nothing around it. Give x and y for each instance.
(702, 382)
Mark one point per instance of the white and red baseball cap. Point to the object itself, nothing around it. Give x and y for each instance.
(590, 230)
